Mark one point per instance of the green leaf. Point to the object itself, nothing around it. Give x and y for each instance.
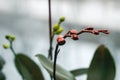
(102, 66)
(78, 72)
(2, 76)
(27, 68)
(61, 74)
(2, 62)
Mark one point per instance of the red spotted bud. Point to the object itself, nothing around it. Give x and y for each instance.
(60, 40)
(74, 37)
(73, 31)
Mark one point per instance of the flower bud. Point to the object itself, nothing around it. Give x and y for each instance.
(74, 37)
(61, 40)
(5, 46)
(62, 19)
(12, 37)
(89, 28)
(73, 31)
(96, 32)
(105, 31)
(56, 27)
(7, 37)
(60, 30)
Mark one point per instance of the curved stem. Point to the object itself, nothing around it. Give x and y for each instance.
(13, 51)
(55, 60)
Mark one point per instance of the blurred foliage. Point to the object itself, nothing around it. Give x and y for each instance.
(102, 66)
(28, 68)
(61, 73)
(78, 72)
(2, 62)
(2, 76)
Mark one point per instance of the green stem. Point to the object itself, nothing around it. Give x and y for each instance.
(13, 51)
(11, 47)
(55, 60)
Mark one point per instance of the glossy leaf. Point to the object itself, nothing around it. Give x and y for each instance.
(61, 74)
(27, 68)
(102, 66)
(2, 62)
(79, 72)
(2, 76)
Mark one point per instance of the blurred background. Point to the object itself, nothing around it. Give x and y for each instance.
(28, 21)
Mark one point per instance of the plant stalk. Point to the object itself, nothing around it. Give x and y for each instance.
(50, 30)
(55, 60)
(11, 47)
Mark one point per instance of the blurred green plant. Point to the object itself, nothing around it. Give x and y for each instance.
(2, 62)
(102, 66)
(28, 69)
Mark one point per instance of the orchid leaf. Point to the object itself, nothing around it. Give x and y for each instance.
(28, 69)
(102, 66)
(61, 74)
(78, 72)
